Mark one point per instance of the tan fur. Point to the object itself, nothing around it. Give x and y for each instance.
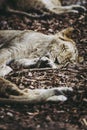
(35, 48)
(10, 94)
(44, 6)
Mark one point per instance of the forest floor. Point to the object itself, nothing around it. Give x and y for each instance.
(69, 115)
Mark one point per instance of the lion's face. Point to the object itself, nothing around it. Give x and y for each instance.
(63, 49)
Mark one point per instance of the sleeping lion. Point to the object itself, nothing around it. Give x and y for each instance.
(34, 50)
(43, 7)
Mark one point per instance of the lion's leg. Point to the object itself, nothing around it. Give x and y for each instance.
(70, 8)
(4, 70)
(24, 13)
(57, 98)
(36, 63)
(10, 92)
(42, 95)
(44, 62)
(76, 6)
(27, 63)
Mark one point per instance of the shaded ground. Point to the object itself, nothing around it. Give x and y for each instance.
(70, 115)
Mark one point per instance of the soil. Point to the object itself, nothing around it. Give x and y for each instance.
(69, 115)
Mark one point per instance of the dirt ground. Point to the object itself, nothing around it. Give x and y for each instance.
(69, 115)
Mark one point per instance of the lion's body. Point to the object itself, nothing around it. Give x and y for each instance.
(29, 48)
(45, 7)
(16, 45)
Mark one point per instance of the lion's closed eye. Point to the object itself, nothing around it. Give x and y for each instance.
(61, 38)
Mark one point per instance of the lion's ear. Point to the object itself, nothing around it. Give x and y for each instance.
(67, 32)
